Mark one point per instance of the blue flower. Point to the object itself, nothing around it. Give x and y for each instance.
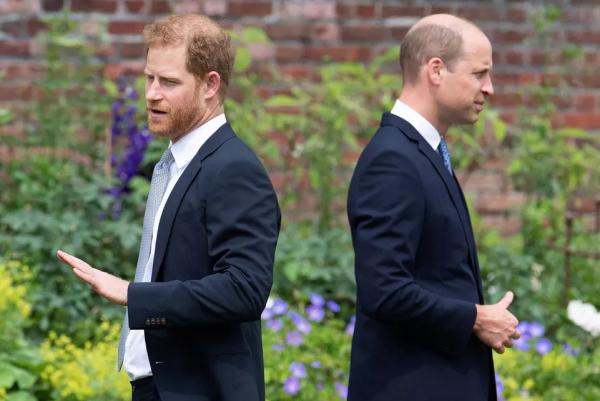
(267, 314)
(315, 364)
(315, 313)
(351, 324)
(279, 306)
(301, 324)
(536, 329)
(543, 346)
(298, 370)
(499, 388)
(333, 306)
(293, 338)
(316, 299)
(570, 350)
(523, 328)
(275, 324)
(291, 385)
(342, 390)
(522, 344)
(278, 347)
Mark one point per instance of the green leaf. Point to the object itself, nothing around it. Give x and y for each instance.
(20, 396)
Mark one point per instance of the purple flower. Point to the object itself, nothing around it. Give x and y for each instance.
(499, 388)
(301, 324)
(315, 364)
(320, 386)
(351, 324)
(316, 299)
(543, 346)
(333, 306)
(291, 385)
(570, 350)
(279, 306)
(522, 344)
(275, 324)
(523, 328)
(315, 313)
(293, 338)
(267, 314)
(278, 347)
(536, 329)
(342, 390)
(298, 370)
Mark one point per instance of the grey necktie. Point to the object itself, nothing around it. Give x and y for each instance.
(158, 185)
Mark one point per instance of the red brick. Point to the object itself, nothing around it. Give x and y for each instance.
(388, 11)
(13, 91)
(508, 116)
(324, 32)
(509, 35)
(288, 30)
(584, 37)
(515, 78)
(132, 50)
(365, 11)
(100, 6)
(14, 48)
(18, 6)
(345, 10)
(585, 102)
(22, 69)
(35, 25)
(112, 71)
(160, 7)
(514, 57)
(505, 225)
(126, 27)
(506, 99)
(135, 6)
(287, 53)
(399, 33)
(514, 14)
(299, 71)
(248, 8)
(364, 32)
(480, 13)
(441, 10)
(14, 28)
(582, 120)
(338, 53)
(484, 181)
(52, 5)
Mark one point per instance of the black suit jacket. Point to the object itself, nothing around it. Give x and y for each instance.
(212, 274)
(417, 277)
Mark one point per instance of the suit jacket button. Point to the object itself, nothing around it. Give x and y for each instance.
(147, 322)
(163, 321)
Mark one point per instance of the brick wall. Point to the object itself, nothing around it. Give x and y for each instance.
(304, 32)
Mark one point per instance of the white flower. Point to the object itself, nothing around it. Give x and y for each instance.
(585, 316)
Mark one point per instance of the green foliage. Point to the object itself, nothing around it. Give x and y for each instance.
(49, 204)
(19, 361)
(322, 122)
(71, 111)
(322, 261)
(555, 376)
(324, 353)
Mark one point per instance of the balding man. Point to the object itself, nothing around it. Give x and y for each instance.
(204, 272)
(422, 331)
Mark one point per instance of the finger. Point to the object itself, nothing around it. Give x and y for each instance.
(73, 261)
(500, 349)
(84, 276)
(508, 343)
(506, 300)
(516, 335)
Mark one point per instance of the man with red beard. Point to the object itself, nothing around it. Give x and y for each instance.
(192, 327)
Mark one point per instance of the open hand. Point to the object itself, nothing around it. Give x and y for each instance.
(110, 287)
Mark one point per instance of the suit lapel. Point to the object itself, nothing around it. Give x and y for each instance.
(449, 181)
(179, 190)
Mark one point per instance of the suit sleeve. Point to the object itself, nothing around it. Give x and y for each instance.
(386, 212)
(242, 224)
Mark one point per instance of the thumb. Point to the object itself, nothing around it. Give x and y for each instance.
(506, 300)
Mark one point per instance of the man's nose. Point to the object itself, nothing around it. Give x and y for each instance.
(488, 87)
(153, 91)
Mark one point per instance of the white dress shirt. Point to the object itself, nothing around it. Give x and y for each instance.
(420, 123)
(136, 360)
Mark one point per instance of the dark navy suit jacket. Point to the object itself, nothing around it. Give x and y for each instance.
(417, 277)
(213, 270)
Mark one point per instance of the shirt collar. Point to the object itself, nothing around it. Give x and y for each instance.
(188, 145)
(420, 123)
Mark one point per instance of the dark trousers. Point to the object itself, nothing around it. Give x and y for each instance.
(144, 390)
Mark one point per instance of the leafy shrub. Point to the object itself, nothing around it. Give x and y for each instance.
(85, 372)
(306, 350)
(19, 359)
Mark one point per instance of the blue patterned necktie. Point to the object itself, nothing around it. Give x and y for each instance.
(158, 185)
(445, 153)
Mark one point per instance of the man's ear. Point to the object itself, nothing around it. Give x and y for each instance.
(212, 83)
(435, 69)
